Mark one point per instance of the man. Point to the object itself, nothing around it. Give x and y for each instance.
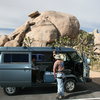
(58, 73)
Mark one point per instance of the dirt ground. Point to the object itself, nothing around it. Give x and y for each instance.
(95, 76)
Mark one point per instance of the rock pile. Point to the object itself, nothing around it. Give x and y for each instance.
(96, 41)
(41, 29)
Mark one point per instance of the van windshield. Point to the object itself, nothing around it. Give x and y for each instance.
(74, 56)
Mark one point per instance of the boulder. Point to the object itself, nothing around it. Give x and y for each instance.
(66, 24)
(96, 37)
(20, 37)
(43, 33)
(12, 43)
(3, 39)
(44, 28)
(38, 44)
(34, 14)
(21, 30)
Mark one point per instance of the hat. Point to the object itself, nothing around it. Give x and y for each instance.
(62, 56)
(59, 56)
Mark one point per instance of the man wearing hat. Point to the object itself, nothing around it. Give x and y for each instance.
(58, 73)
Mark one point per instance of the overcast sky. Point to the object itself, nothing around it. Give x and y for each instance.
(13, 13)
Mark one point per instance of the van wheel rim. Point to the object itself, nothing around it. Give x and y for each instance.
(70, 86)
(10, 90)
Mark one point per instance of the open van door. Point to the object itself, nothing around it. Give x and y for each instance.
(86, 70)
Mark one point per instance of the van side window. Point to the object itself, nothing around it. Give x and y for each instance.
(48, 57)
(43, 57)
(13, 58)
(38, 57)
(7, 58)
(74, 56)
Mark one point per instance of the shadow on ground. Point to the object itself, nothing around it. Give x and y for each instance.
(85, 89)
(82, 90)
(37, 90)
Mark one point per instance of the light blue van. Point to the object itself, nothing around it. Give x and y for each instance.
(17, 69)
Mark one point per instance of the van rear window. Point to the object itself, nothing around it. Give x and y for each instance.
(11, 58)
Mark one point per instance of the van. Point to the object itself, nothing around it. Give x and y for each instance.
(17, 69)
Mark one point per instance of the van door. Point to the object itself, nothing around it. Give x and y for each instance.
(86, 66)
(15, 69)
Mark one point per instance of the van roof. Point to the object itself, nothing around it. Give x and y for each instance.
(59, 49)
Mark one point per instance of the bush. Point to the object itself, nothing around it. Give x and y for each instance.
(84, 43)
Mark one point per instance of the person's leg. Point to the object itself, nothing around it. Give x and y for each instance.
(34, 77)
(38, 76)
(41, 76)
(60, 85)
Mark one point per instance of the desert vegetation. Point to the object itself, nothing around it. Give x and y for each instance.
(84, 43)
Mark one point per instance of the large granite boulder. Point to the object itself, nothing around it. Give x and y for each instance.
(49, 25)
(42, 34)
(66, 24)
(44, 28)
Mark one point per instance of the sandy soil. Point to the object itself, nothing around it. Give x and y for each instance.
(95, 76)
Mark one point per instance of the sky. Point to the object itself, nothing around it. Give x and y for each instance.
(14, 13)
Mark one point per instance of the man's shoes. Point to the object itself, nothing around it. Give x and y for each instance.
(60, 97)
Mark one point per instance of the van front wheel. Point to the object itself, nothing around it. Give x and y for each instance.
(69, 85)
(10, 90)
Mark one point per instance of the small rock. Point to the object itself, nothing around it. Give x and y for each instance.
(34, 14)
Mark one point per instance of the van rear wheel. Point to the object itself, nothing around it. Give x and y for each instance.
(10, 90)
(69, 85)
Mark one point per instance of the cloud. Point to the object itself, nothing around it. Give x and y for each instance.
(13, 13)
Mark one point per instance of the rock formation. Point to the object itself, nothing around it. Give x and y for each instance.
(3, 39)
(96, 41)
(42, 28)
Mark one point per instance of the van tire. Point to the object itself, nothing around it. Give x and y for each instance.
(71, 87)
(10, 90)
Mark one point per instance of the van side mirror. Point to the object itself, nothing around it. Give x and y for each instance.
(88, 61)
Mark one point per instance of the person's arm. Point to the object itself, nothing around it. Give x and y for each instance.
(54, 69)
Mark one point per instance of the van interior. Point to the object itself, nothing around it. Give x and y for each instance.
(42, 66)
